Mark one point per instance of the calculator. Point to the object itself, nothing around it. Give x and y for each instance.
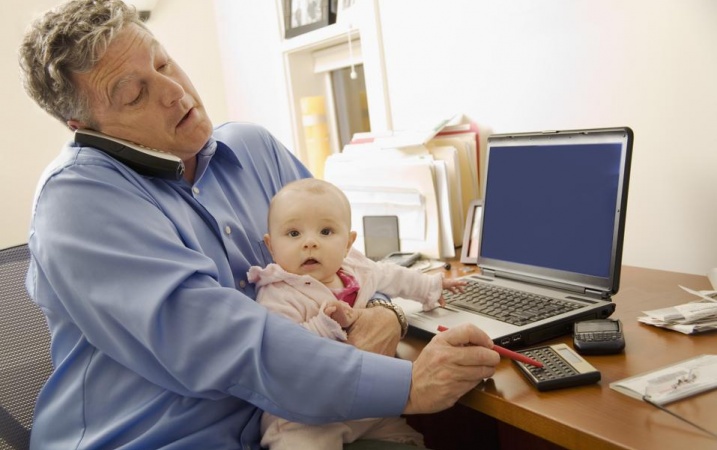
(562, 368)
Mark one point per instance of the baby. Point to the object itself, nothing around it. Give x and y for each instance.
(319, 281)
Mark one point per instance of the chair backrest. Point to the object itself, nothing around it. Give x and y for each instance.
(25, 361)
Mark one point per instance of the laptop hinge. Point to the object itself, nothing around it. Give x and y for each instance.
(596, 293)
(539, 282)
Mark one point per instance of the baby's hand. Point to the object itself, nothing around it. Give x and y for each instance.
(452, 284)
(341, 312)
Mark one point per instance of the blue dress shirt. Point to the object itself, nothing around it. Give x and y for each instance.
(156, 339)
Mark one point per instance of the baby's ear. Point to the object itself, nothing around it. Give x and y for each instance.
(352, 239)
(267, 242)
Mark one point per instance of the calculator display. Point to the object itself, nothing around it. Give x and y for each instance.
(568, 355)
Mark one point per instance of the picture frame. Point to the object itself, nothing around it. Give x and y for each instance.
(302, 16)
(471, 234)
(345, 11)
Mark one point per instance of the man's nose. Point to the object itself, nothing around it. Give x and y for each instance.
(170, 91)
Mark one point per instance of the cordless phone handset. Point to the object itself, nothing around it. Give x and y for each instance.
(143, 160)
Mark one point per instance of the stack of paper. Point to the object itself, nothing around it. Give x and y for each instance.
(689, 318)
(426, 177)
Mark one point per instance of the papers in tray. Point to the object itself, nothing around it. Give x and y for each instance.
(671, 383)
(426, 177)
(689, 318)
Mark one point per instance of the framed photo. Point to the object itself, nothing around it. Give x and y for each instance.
(301, 16)
(345, 11)
(469, 250)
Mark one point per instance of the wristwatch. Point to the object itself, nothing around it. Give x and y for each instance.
(396, 309)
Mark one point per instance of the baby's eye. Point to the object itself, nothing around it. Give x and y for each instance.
(293, 233)
(326, 232)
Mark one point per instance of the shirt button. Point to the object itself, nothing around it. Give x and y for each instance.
(195, 190)
(227, 229)
(242, 284)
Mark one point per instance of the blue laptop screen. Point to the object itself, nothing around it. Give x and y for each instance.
(553, 206)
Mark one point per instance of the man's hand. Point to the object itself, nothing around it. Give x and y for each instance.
(375, 330)
(450, 365)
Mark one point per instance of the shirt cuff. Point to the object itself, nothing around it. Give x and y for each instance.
(383, 387)
(380, 296)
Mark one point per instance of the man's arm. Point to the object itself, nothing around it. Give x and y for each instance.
(375, 330)
(453, 363)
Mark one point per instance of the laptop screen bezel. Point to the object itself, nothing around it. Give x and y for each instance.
(605, 286)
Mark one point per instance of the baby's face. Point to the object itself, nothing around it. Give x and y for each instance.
(309, 235)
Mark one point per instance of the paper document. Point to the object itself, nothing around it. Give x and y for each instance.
(671, 383)
(688, 318)
(436, 164)
(402, 187)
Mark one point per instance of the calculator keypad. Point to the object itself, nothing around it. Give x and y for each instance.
(553, 365)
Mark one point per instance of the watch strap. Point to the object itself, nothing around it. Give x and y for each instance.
(400, 315)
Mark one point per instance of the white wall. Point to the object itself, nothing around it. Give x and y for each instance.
(31, 138)
(253, 64)
(529, 65)
(510, 66)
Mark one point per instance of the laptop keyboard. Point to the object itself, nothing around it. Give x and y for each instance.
(507, 305)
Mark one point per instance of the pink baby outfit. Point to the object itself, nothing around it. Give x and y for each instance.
(301, 298)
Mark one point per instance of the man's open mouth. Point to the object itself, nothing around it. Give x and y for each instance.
(186, 116)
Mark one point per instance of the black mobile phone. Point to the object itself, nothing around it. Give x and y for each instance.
(598, 337)
(143, 160)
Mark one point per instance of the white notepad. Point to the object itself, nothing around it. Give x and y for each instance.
(668, 384)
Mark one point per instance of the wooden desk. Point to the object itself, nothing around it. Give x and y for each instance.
(596, 417)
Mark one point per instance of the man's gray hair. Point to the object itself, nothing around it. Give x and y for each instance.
(70, 38)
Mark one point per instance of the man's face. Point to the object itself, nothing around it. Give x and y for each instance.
(136, 92)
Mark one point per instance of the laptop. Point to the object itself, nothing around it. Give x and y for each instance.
(552, 230)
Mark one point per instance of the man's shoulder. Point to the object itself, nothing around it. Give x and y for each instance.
(231, 132)
(244, 138)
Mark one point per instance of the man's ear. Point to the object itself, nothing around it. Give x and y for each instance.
(75, 125)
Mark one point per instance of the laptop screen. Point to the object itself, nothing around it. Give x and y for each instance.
(554, 205)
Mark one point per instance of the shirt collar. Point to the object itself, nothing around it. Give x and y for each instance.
(213, 148)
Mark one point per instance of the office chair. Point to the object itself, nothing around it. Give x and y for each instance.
(25, 361)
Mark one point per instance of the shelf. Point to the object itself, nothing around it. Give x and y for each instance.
(317, 39)
(303, 77)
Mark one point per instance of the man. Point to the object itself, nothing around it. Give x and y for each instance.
(156, 339)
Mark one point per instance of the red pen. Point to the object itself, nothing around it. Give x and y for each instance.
(508, 353)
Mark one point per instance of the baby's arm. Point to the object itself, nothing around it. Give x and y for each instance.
(341, 312)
